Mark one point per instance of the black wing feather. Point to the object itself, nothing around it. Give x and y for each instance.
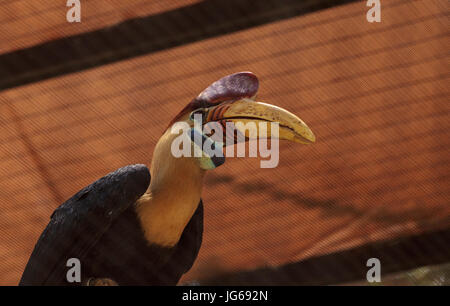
(77, 225)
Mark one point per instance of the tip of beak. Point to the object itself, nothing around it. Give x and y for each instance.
(312, 139)
(305, 137)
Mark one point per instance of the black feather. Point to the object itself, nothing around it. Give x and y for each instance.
(99, 226)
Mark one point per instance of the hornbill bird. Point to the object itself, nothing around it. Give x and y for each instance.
(128, 229)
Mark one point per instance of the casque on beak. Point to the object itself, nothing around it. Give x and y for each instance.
(246, 111)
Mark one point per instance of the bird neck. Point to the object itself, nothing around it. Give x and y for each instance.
(172, 197)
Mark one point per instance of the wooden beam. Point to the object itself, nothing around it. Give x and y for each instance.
(140, 36)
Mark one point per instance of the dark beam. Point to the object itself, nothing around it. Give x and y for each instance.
(396, 255)
(140, 36)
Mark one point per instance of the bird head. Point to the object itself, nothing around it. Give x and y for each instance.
(230, 105)
(176, 184)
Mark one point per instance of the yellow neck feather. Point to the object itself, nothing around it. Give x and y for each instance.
(173, 195)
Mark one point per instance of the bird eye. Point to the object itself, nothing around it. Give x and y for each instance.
(200, 111)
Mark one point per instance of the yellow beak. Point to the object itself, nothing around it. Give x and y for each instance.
(242, 112)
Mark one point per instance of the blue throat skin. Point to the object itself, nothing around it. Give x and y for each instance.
(208, 160)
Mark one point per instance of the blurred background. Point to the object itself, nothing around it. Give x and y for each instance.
(78, 100)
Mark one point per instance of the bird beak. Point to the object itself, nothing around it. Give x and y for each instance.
(262, 114)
